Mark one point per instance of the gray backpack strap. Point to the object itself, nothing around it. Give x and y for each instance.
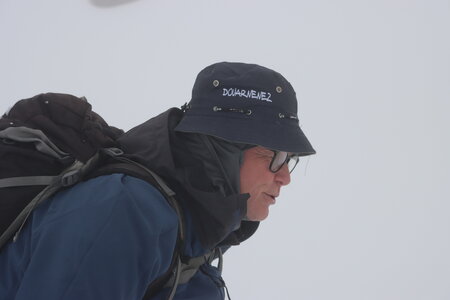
(26, 181)
(177, 275)
(42, 144)
(189, 268)
(116, 154)
(174, 274)
(35, 136)
(68, 177)
(186, 270)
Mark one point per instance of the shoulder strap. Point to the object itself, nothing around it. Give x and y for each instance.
(181, 270)
(83, 171)
(68, 177)
(26, 181)
(120, 164)
(190, 266)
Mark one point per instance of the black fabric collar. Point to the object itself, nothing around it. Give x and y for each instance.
(201, 170)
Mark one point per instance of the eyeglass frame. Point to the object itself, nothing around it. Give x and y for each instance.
(286, 161)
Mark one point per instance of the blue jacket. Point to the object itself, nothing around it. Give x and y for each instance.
(111, 237)
(107, 238)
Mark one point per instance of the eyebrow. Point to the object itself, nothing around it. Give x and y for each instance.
(264, 151)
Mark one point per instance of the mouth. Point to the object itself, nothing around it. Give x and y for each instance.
(273, 198)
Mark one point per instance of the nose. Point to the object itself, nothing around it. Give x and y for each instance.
(283, 177)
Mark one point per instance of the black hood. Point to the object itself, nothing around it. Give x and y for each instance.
(202, 170)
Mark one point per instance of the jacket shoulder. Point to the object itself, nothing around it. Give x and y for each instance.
(98, 236)
(110, 197)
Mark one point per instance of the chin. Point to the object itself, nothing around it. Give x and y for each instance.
(261, 216)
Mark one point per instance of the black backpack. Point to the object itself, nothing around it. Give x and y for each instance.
(53, 141)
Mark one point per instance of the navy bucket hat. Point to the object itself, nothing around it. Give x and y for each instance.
(246, 103)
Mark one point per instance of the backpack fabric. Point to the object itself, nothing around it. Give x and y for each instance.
(52, 141)
(42, 136)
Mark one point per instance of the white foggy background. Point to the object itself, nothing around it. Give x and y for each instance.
(369, 217)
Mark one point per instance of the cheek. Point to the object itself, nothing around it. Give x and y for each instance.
(258, 205)
(254, 178)
(248, 177)
(254, 173)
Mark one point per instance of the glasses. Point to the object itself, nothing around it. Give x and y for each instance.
(280, 158)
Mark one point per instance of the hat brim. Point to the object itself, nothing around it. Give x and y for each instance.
(272, 135)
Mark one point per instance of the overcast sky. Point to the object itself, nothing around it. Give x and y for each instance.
(367, 218)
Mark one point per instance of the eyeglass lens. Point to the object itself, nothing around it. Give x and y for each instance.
(280, 158)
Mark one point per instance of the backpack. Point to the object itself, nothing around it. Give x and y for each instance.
(41, 137)
(51, 142)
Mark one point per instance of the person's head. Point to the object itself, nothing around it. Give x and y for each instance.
(263, 172)
(253, 105)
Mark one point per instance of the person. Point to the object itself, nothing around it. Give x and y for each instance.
(226, 155)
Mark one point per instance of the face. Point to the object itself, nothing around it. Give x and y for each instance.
(263, 185)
